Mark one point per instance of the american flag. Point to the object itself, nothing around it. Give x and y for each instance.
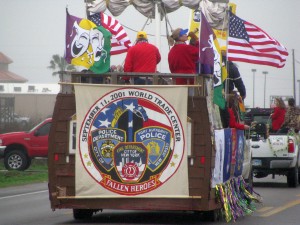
(248, 43)
(140, 113)
(120, 42)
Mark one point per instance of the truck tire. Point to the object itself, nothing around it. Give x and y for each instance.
(212, 215)
(82, 214)
(16, 160)
(28, 163)
(292, 177)
(298, 175)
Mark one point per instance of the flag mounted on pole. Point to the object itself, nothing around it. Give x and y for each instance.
(248, 43)
(211, 60)
(207, 53)
(87, 46)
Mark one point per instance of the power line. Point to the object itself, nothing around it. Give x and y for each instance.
(138, 31)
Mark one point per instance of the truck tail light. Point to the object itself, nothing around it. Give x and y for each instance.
(291, 147)
(55, 157)
(202, 160)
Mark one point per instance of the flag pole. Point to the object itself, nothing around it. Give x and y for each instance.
(157, 28)
(227, 78)
(294, 75)
(199, 35)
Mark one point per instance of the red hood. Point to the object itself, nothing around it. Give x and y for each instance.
(13, 134)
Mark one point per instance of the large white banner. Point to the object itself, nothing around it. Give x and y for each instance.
(219, 160)
(131, 141)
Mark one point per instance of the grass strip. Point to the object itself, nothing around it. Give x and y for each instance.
(36, 173)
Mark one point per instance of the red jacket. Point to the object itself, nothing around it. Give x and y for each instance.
(277, 118)
(182, 59)
(232, 121)
(142, 57)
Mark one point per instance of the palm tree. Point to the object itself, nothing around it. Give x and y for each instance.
(59, 65)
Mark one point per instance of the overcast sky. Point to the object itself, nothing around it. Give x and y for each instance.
(33, 30)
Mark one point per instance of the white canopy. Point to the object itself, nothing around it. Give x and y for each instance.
(147, 7)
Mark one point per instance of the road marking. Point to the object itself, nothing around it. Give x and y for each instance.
(264, 209)
(30, 193)
(281, 208)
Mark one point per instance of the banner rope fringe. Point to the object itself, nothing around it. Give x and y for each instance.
(237, 198)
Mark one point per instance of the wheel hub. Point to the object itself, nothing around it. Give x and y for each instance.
(15, 161)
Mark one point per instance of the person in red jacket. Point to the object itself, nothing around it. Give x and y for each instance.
(233, 121)
(278, 114)
(142, 57)
(183, 57)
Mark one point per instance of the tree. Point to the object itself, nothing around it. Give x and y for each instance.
(59, 64)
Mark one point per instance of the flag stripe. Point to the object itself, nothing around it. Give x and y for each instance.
(248, 43)
(239, 53)
(120, 42)
(242, 50)
(262, 49)
(114, 27)
(153, 115)
(258, 61)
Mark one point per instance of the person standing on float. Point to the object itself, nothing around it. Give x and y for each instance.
(183, 57)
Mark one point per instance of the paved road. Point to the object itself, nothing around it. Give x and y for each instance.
(29, 205)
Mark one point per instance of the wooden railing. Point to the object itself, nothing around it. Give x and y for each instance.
(199, 86)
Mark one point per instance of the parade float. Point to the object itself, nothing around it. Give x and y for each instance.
(146, 147)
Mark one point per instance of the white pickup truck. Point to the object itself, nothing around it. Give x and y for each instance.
(276, 154)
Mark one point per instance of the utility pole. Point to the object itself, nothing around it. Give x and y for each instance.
(253, 71)
(299, 91)
(157, 27)
(294, 74)
(265, 73)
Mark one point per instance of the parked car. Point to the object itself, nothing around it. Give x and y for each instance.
(13, 120)
(19, 148)
(22, 120)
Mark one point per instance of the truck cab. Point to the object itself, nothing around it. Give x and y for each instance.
(19, 148)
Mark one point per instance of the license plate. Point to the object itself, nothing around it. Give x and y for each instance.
(256, 162)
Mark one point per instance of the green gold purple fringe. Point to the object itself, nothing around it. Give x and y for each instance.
(238, 198)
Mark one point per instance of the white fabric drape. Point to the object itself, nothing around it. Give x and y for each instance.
(215, 14)
(145, 7)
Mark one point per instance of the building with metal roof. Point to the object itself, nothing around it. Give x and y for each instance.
(5, 75)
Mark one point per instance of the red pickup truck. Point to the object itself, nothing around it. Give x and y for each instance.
(19, 148)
